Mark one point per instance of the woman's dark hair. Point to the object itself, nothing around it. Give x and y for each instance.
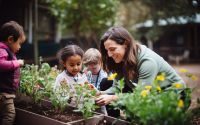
(11, 28)
(127, 68)
(68, 51)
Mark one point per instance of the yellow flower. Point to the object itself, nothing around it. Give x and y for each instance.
(180, 103)
(158, 88)
(112, 76)
(183, 70)
(194, 78)
(178, 85)
(144, 93)
(53, 74)
(148, 87)
(160, 77)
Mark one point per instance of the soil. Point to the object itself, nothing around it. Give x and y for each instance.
(67, 116)
(196, 120)
(196, 116)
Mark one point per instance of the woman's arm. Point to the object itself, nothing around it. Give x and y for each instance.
(105, 99)
(148, 70)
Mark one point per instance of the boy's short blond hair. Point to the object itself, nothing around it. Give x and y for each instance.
(92, 55)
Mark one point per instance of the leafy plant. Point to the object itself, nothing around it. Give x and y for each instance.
(60, 97)
(82, 98)
(151, 105)
(37, 81)
(85, 99)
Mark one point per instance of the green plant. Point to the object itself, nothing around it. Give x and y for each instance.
(82, 98)
(150, 104)
(36, 81)
(60, 97)
(85, 99)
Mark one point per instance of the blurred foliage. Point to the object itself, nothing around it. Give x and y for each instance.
(89, 18)
(86, 18)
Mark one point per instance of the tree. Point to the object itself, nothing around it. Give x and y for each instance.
(85, 18)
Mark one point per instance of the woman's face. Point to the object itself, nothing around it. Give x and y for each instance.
(73, 64)
(115, 50)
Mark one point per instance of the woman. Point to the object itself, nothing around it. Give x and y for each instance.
(135, 62)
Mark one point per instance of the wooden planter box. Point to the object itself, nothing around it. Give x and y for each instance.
(100, 120)
(24, 117)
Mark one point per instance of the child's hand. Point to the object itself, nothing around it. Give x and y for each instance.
(100, 93)
(21, 62)
(91, 86)
(85, 70)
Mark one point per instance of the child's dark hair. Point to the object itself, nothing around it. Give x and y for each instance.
(11, 28)
(68, 51)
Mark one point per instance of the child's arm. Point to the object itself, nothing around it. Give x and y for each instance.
(21, 62)
(8, 64)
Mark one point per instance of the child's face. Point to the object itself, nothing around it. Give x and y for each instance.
(73, 64)
(94, 67)
(15, 46)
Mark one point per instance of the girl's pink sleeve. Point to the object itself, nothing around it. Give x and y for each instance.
(6, 65)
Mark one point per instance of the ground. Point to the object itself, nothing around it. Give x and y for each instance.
(194, 69)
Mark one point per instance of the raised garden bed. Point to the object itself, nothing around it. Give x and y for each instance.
(29, 113)
(25, 117)
(26, 109)
(100, 120)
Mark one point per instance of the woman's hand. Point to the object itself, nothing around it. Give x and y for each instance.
(105, 99)
(100, 93)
